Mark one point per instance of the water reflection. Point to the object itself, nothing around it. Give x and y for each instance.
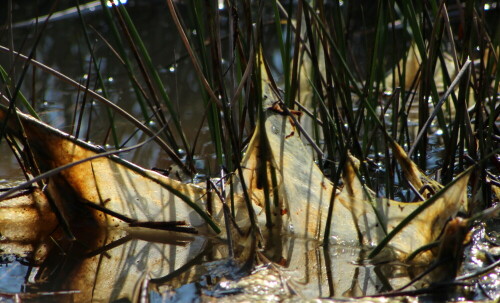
(101, 265)
(110, 264)
(63, 48)
(120, 264)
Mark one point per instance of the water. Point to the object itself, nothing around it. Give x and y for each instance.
(111, 264)
(13, 273)
(108, 265)
(63, 41)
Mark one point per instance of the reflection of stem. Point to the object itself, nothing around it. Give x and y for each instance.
(105, 210)
(175, 226)
(180, 270)
(422, 249)
(479, 272)
(107, 247)
(328, 269)
(354, 283)
(420, 276)
(386, 285)
(227, 216)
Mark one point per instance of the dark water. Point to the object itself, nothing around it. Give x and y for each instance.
(63, 48)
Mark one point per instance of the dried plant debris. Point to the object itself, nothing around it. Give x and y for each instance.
(303, 191)
(277, 169)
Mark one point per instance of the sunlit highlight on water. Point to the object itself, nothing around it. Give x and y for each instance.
(116, 2)
(221, 4)
(488, 6)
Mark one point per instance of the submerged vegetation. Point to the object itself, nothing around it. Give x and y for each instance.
(369, 126)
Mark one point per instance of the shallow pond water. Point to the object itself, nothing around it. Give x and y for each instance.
(64, 49)
(112, 265)
(124, 266)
